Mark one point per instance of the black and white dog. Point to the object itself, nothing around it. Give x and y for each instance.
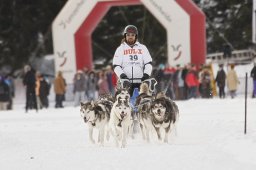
(96, 114)
(164, 115)
(120, 117)
(107, 97)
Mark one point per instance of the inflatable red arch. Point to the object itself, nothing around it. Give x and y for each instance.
(73, 27)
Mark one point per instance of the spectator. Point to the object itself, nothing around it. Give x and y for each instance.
(4, 94)
(184, 75)
(103, 84)
(253, 75)
(38, 101)
(9, 80)
(86, 75)
(60, 89)
(109, 74)
(232, 81)
(179, 83)
(159, 76)
(192, 82)
(169, 83)
(44, 92)
(79, 88)
(205, 83)
(221, 81)
(114, 81)
(29, 82)
(92, 86)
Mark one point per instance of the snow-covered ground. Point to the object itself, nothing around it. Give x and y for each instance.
(210, 136)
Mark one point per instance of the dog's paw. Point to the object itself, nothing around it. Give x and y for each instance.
(123, 144)
(119, 137)
(107, 136)
(117, 144)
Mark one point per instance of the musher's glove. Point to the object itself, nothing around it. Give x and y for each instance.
(145, 77)
(123, 76)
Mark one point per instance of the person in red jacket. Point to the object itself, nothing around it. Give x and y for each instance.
(114, 80)
(192, 82)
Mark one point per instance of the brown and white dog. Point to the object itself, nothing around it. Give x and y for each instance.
(164, 115)
(96, 114)
(120, 118)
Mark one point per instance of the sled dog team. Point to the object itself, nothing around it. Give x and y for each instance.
(115, 115)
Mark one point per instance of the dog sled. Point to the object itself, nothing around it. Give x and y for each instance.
(126, 84)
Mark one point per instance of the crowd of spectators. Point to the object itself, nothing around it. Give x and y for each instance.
(179, 83)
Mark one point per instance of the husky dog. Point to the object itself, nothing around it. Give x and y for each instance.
(162, 95)
(122, 94)
(96, 115)
(120, 119)
(107, 97)
(164, 114)
(143, 102)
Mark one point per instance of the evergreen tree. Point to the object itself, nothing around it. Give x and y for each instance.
(228, 22)
(25, 29)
